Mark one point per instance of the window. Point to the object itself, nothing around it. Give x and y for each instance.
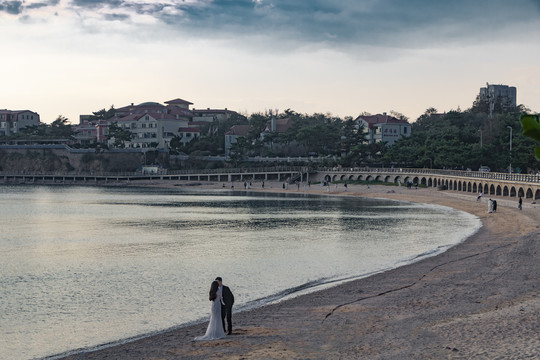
(405, 130)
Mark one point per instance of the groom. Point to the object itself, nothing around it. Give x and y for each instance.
(226, 310)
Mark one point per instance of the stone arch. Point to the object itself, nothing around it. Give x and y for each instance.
(459, 186)
(513, 192)
(486, 189)
(537, 194)
(474, 189)
(492, 190)
(529, 193)
(498, 191)
(430, 182)
(369, 178)
(351, 177)
(415, 180)
(469, 187)
(360, 177)
(342, 177)
(505, 191)
(423, 181)
(327, 178)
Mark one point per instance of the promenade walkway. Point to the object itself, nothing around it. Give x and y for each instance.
(488, 183)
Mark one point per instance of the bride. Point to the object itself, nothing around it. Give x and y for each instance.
(215, 327)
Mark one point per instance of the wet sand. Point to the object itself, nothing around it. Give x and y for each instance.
(478, 300)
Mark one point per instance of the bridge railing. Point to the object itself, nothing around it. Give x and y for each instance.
(275, 169)
(528, 178)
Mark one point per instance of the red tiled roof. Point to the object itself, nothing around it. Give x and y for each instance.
(188, 129)
(239, 130)
(178, 101)
(282, 125)
(380, 119)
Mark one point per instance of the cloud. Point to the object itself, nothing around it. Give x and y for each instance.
(344, 23)
(11, 7)
(98, 3)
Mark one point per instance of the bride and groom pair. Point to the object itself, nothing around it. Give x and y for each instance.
(222, 301)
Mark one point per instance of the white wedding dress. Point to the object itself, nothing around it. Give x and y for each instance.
(215, 327)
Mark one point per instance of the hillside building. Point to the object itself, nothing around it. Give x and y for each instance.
(11, 121)
(498, 95)
(384, 128)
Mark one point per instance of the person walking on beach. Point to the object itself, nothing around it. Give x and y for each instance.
(520, 203)
(494, 205)
(215, 327)
(490, 206)
(226, 306)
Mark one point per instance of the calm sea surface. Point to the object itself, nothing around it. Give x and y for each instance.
(83, 266)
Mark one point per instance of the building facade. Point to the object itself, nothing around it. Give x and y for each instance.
(11, 121)
(153, 124)
(384, 128)
(502, 95)
(231, 136)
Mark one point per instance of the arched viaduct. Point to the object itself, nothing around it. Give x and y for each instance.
(496, 184)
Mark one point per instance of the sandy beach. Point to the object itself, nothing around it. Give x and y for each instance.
(478, 300)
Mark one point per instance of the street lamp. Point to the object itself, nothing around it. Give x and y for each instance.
(510, 169)
(481, 152)
(480, 138)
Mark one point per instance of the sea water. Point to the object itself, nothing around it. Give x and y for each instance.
(85, 266)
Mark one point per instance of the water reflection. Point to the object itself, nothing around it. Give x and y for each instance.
(84, 266)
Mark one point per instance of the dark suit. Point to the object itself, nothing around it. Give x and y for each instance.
(226, 310)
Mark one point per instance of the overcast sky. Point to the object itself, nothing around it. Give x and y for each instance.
(72, 57)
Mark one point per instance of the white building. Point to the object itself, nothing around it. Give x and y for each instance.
(384, 128)
(231, 136)
(11, 121)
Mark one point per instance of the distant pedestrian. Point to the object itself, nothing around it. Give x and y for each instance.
(520, 203)
(283, 186)
(345, 186)
(494, 205)
(490, 206)
(263, 184)
(479, 196)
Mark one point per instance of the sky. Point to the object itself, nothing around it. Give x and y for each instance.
(73, 57)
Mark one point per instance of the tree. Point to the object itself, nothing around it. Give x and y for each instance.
(119, 135)
(61, 128)
(104, 114)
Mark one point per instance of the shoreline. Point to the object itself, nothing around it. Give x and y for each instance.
(437, 307)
